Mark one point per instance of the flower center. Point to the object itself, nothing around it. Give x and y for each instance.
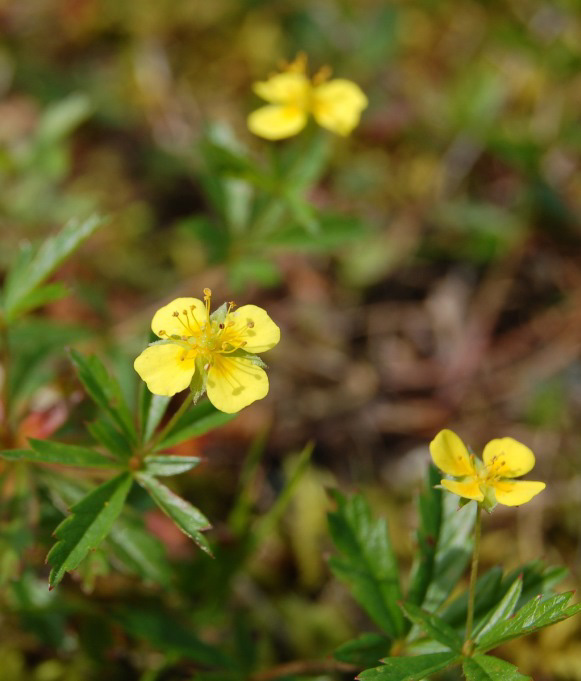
(206, 337)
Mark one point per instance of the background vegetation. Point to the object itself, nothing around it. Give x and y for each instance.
(425, 273)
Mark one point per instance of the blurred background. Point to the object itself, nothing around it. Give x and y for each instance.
(427, 275)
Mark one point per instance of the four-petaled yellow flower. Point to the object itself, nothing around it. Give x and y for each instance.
(490, 480)
(335, 104)
(221, 346)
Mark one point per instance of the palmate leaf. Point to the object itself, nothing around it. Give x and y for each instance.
(414, 668)
(188, 518)
(105, 391)
(195, 422)
(368, 563)
(33, 268)
(434, 626)
(535, 615)
(487, 668)
(44, 451)
(89, 523)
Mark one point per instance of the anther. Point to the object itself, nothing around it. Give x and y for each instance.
(221, 326)
(175, 314)
(232, 304)
(250, 324)
(161, 333)
(207, 292)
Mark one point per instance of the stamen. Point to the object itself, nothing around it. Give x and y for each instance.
(250, 324)
(161, 333)
(221, 326)
(322, 75)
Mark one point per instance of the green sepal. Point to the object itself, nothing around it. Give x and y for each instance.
(198, 384)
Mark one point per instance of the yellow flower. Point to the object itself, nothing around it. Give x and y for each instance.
(335, 104)
(490, 480)
(219, 349)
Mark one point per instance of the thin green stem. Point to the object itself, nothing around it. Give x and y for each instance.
(160, 436)
(474, 572)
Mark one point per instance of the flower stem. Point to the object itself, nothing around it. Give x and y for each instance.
(474, 572)
(160, 436)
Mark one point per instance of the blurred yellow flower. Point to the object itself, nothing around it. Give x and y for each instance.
(490, 480)
(220, 347)
(335, 104)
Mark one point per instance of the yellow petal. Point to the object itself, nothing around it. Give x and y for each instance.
(468, 490)
(517, 492)
(234, 382)
(337, 105)
(507, 458)
(275, 122)
(450, 455)
(253, 325)
(162, 368)
(164, 319)
(285, 88)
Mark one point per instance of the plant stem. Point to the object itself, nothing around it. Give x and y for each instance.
(474, 572)
(160, 436)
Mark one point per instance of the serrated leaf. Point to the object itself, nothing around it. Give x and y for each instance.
(188, 518)
(368, 563)
(364, 651)
(104, 390)
(166, 464)
(169, 633)
(112, 439)
(89, 523)
(536, 578)
(533, 616)
(153, 412)
(35, 268)
(139, 550)
(45, 451)
(488, 668)
(502, 611)
(195, 422)
(430, 512)
(453, 551)
(410, 668)
(434, 626)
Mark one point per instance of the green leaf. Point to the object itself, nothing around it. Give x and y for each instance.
(333, 232)
(57, 452)
(41, 296)
(453, 551)
(533, 616)
(364, 651)
(430, 511)
(486, 594)
(154, 411)
(112, 439)
(188, 518)
(410, 668)
(488, 668)
(89, 523)
(166, 464)
(434, 626)
(536, 577)
(502, 611)
(170, 634)
(368, 563)
(34, 269)
(105, 391)
(139, 550)
(195, 422)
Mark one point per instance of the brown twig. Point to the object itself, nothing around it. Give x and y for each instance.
(303, 667)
